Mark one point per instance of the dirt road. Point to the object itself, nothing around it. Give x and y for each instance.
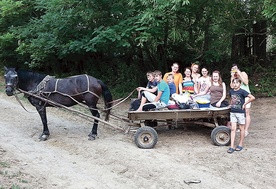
(69, 160)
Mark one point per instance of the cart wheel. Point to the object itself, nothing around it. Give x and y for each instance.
(221, 136)
(145, 137)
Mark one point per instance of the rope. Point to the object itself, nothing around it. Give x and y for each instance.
(38, 92)
(104, 109)
(72, 110)
(19, 101)
(46, 95)
(124, 99)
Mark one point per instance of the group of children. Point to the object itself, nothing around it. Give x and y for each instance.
(159, 90)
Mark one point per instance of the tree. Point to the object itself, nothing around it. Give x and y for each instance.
(269, 9)
(133, 36)
(13, 14)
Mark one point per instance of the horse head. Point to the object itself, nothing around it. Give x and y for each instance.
(11, 80)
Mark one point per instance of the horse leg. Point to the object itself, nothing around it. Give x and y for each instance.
(92, 135)
(42, 112)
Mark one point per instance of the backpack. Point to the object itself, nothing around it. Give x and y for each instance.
(134, 105)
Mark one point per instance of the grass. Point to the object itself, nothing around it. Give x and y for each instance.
(15, 177)
(263, 84)
(12, 179)
(4, 164)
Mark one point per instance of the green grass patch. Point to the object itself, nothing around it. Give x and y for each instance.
(4, 164)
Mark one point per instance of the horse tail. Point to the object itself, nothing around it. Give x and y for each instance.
(107, 99)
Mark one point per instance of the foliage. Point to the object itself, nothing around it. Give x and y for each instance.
(263, 87)
(263, 81)
(110, 39)
(127, 79)
(270, 9)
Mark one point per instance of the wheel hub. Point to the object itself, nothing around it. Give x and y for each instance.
(146, 139)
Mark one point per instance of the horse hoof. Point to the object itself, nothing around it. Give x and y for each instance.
(92, 137)
(43, 137)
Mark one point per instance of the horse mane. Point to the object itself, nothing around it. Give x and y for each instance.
(30, 76)
(28, 80)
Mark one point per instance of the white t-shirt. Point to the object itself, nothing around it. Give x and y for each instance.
(204, 83)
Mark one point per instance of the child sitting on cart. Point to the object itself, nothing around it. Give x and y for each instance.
(160, 100)
(151, 87)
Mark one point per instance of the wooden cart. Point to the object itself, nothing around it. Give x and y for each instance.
(147, 137)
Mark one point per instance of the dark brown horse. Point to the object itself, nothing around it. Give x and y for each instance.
(67, 91)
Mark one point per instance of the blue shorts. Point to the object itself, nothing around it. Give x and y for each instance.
(237, 118)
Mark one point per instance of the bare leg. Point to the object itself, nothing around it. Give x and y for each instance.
(143, 101)
(139, 94)
(241, 135)
(228, 124)
(247, 121)
(233, 133)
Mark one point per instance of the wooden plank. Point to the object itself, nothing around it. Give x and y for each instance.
(178, 114)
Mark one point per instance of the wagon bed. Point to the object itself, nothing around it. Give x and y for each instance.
(146, 136)
(179, 114)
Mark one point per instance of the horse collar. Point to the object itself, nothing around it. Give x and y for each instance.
(42, 84)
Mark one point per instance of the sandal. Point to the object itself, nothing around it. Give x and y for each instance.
(239, 148)
(230, 150)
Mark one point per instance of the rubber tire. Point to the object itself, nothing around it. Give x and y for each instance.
(221, 136)
(146, 137)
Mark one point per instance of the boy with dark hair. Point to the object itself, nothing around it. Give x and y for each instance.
(236, 73)
(151, 85)
(237, 112)
(156, 101)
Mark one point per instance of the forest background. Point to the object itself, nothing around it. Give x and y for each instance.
(118, 41)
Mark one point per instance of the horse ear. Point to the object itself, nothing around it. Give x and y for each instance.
(6, 69)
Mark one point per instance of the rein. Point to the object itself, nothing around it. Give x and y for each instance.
(121, 100)
(19, 101)
(46, 100)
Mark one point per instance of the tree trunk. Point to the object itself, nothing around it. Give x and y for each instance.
(259, 41)
(241, 44)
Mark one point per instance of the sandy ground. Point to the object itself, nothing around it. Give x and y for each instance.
(69, 160)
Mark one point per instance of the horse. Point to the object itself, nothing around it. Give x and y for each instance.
(78, 89)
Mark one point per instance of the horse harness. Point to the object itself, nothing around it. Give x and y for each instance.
(42, 84)
(39, 88)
